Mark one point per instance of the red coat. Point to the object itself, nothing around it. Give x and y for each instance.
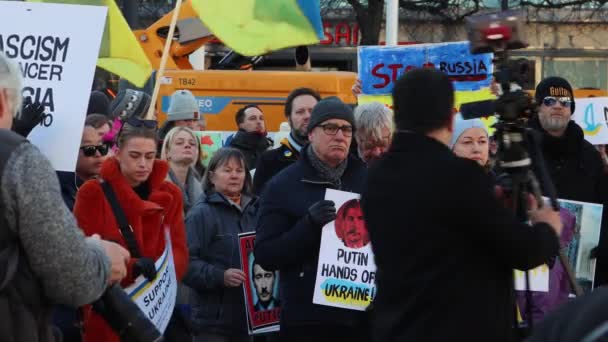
(95, 216)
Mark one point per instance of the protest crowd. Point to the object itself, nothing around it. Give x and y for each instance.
(143, 241)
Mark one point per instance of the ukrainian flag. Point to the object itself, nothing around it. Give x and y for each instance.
(120, 52)
(256, 27)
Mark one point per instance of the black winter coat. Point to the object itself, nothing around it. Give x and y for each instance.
(213, 225)
(288, 241)
(272, 162)
(577, 172)
(252, 144)
(445, 247)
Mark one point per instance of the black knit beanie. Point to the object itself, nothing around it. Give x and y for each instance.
(330, 108)
(99, 103)
(554, 86)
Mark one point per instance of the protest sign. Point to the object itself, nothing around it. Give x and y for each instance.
(580, 234)
(156, 298)
(261, 289)
(346, 273)
(591, 114)
(210, 143)
(381, 66)
(539, 279)
(57, 60)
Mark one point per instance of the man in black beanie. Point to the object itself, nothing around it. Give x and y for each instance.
(293, 213)
(575, 166)
(444, 245)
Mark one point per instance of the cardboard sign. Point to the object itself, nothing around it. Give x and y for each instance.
(57, 59)
(591, 114)
(580, 234)
(346, 273)
(156, 298)
(381, 66)
(210, 143)
(261, 288)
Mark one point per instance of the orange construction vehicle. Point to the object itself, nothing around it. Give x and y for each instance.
(221, 92)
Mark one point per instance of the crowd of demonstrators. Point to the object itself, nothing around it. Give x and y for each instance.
(438, 227)
(227, 209)
(181, 150)
(45, 258)
(472, 246)
(289, 227)
(134, 183)
(251, 138)
(298, 108)
(374, 130)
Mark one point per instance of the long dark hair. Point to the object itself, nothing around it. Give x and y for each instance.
(221, 157)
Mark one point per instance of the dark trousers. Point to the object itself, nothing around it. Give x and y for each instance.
(324, 333)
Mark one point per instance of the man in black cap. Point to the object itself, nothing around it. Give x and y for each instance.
(574, 164)
(292, 216)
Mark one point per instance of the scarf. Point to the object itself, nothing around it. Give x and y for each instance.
(327, 173)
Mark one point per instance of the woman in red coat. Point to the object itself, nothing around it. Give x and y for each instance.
(149, 202)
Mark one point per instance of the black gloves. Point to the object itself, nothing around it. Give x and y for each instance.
(322, 212)
(31, 115)
(145, 267)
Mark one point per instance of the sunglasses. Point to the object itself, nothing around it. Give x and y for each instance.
(550, 101)
(90, 150)
(135, 122)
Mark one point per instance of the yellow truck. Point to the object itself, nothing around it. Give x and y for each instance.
(221, 92)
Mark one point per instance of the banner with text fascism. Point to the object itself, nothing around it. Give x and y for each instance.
(57, 61)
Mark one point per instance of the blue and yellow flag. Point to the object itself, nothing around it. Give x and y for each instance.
(256, 27)
(120, 52)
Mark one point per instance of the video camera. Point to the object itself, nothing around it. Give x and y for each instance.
(498, 33)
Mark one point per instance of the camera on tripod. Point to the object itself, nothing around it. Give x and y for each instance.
(498, 33)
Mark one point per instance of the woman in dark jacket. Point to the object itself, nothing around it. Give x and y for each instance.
(213, 225)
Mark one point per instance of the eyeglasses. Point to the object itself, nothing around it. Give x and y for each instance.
(550, 101)
(332, 129)
(135, 122)
(90, 150)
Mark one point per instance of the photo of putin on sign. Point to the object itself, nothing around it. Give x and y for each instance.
(350, 226)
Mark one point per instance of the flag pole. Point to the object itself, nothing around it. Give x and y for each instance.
(163, 61)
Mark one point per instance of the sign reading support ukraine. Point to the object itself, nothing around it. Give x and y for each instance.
(346, 273)
(381, 66)
(156, 298)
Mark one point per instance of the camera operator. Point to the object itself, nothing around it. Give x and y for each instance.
(44, 257)
(445, 247)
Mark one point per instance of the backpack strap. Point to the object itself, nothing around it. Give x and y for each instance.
(125, 228)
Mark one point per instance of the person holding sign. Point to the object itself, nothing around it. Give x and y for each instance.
(150, 203)
(438, 231)
(292, 216)
(215, 274)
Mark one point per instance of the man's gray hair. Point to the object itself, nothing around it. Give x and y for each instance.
(370, 119)
(10, 80)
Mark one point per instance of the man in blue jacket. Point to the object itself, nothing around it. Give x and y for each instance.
(293, 214)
